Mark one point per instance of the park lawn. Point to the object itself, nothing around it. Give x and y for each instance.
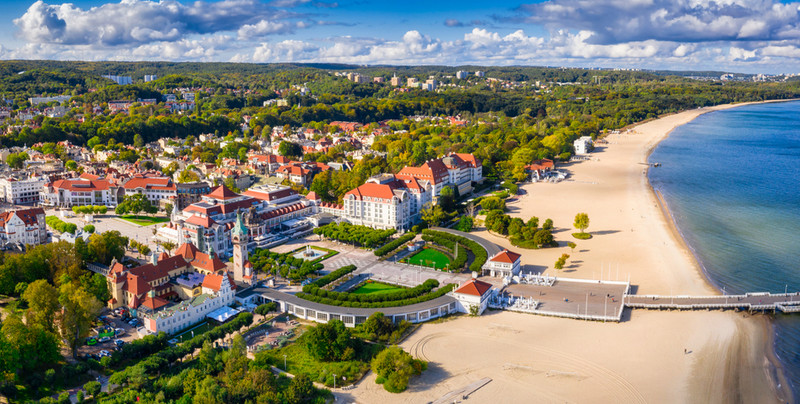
(298, 361)
(198, 329)
(428, 257)
(375, 287)
(144, 220)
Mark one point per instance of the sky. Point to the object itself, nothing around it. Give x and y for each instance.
(749, 36)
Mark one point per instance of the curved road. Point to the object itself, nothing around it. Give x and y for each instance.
(491, 248)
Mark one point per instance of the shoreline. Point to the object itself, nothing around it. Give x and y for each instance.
(780, 385)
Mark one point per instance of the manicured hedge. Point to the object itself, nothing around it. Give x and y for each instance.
(478, 251)
(459, 260)
(322, 281)
(362, 235)
(392, 245)
(394, 303)
(402, 294)
(59, 225)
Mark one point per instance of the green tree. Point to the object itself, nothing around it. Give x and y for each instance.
(92, 388)
(168, 246)
(581, 222)
(17, 160)
(42, 300)
(300, 390)
(71, 165)
(106, 246)
(138, 141)
(395, 367)
(289, 149)
(433, 215)
(329, 341)
(135, 203)
(543, 237)
(79, 308)
(572, 246)
(447, 199)
(89, 228)
(188, 176)
(170, 169)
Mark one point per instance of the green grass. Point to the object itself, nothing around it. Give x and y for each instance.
(198, 329)
(428, 257)
(300, 361)
(144, 220)
(582, 236)
(375, 287)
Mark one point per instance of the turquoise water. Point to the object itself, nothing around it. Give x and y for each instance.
(732, 182)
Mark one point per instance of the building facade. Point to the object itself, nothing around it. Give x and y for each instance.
(25, 227)
(21, 192)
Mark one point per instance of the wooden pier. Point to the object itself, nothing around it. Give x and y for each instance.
(762, 301)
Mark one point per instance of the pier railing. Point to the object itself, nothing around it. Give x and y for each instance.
(758, 301)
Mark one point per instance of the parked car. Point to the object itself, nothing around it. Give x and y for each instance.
(91, 356)
(119, 331)
(104, 340)
(91, 341)
(119, 342)
(104, 353)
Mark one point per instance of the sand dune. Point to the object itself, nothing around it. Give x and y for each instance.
(539, 359)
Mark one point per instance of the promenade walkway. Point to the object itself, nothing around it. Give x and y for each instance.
(491, 248)
(762, 301)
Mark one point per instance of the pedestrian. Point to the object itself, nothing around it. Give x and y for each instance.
(684, 351)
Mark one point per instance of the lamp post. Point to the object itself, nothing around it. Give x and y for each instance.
(284, 363)
(334, 381)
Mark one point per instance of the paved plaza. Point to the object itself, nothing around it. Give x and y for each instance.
(104, 223)
(368, 264)
(580, 298)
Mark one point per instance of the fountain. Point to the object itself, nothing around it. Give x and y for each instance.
(309, 253)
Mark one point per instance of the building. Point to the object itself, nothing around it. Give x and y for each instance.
(461, 75)
(539, 168)
(386, 202)
(242, 268)
(503, 264)
(150, 77)
(154, 189)
(396, 81)
(25, 227)
(479, 73)
(78, 192)
(412, 82)
(44, 100)
(460, 170)
(189, 193)
(121, 80)
(21, 192)
(473, 296)
(583, 145)
(270, 214)
(170, 294)
(378, 79)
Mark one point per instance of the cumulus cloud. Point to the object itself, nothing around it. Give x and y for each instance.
(619, 21)
(136, 22)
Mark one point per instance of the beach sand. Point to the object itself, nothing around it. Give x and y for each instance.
(540, 359)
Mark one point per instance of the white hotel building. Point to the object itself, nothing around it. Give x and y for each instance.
(386, 202)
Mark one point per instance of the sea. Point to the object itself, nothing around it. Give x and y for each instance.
(731, 180)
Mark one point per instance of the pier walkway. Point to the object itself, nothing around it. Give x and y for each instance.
(762, 301)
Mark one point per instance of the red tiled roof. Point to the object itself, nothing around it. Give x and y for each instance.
(150, 183)
(222, 193)
(474, 287)
(542, 164)
(506, 256)
(28, 216)
(205, 222)
(153, 303)
(199, 259)
(214, 281)
(81, 185)
(373, 190)
(469, 158)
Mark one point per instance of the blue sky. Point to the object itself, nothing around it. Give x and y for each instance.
(733, 35)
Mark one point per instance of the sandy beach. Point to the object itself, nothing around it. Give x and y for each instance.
(651, 356)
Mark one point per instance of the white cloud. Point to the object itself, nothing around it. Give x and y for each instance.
(615, 21)
(135, 22)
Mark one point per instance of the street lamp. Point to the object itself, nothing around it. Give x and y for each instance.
(334, 381)
(284, 363)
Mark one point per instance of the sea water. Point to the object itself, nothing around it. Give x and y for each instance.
(731, 180)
